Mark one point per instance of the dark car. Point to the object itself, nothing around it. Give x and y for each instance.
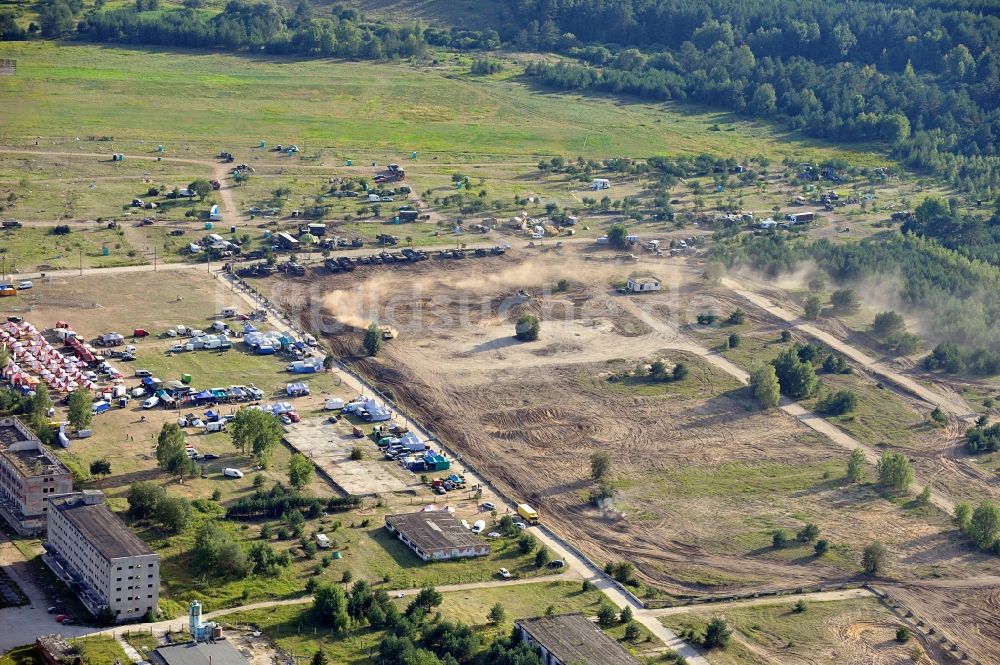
(210, 456)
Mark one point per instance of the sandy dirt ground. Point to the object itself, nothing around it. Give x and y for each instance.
(529, 415)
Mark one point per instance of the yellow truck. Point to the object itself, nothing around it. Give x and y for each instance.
(529, 514)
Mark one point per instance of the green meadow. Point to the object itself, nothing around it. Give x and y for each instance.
(343, 109)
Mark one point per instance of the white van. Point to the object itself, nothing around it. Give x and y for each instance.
(232, 473)
(322, 541)
(479, 526)
(151, 402)
(218, 426)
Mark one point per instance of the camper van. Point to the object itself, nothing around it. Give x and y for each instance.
(600, 183)
(214, 214)
(218, 426)
(232, 473)
(322, 541)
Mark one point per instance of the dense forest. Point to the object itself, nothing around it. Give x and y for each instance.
(924, 79)
(953, 294)
(252, 26)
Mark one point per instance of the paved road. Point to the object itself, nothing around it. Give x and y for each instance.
(20, 625)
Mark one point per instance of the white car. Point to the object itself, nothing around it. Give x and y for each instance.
(151, 402)
(504, 573)
(521, 525)
(493, 534)
(178, 348)
(489, 505)
(26, 284)
(232, 473)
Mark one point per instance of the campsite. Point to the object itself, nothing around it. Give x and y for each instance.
(532, 322)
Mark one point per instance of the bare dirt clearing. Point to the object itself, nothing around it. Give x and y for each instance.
(702, 477)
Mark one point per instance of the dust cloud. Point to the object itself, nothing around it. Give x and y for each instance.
(357, 306)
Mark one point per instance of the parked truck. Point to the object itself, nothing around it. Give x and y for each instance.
(529, 514)
(110, 339)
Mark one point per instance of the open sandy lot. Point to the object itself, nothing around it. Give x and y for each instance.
(330, 449)
(701, 476)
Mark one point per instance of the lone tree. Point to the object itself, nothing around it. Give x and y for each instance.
(527, 328)
(764, 386)
(80, 411)
(100, 467)
(497, 614)
(717, 634)
(373, 340)
(201, 187)
(300, 471)
(845, 300)
(895, 471)
(618, 236)
(170, 452)
(600, 466)
(856, 466)
(875, 558)
(888, 323)
(256, 432)
(812, 307)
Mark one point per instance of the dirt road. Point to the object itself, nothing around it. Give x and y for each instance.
(792, 408)
(818, 597)
(579, 566)
(949, 403)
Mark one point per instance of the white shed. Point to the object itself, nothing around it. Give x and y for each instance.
(643, 284)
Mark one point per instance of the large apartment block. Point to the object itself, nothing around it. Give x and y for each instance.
(100, 558)
(29, 475)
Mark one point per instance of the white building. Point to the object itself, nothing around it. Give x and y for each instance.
(29, 475)
(436, 536)
(99, 557)
(643, 284)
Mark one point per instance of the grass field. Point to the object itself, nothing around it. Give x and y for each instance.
(831, 632)
(291, 626)
(341, 110)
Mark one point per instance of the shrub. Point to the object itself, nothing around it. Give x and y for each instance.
(837, 403)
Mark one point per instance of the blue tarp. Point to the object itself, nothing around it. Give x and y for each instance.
(204, 394)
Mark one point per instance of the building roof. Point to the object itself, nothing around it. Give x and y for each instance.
(102, 528)
(432, 531)
(645, 280)
(191, 653)
(20, 445)
(575, 638)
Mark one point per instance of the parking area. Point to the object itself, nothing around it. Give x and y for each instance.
(329, 447)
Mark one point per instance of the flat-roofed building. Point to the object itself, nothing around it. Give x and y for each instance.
(29, 475)
(100, 558)
(436, 535)
(572, 638)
